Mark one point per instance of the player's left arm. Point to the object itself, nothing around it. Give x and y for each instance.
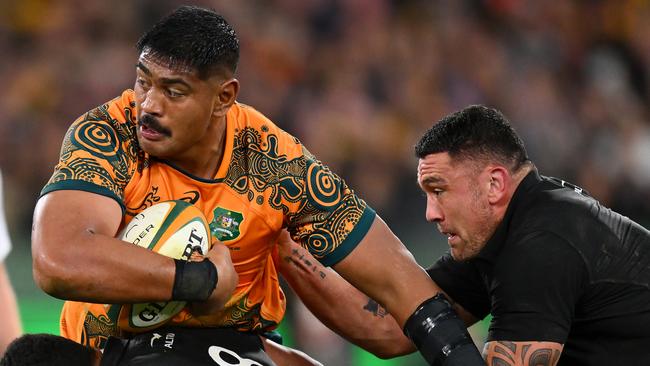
(341, 307)
(342, 232)
(506, 353)
(382, 267)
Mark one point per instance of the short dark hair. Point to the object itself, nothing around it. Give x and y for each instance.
(193, 37)
(476, 133)
(46, 350)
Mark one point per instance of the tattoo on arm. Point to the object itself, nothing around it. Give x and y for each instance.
(504, 353)
(376, 309)
(304, 263)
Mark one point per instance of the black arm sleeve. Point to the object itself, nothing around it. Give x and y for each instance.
(536, 286)
(463, 283)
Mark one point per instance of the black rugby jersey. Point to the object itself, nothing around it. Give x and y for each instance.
(561, 267)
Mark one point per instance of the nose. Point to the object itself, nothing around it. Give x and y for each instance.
(434, 212)
(152, 102)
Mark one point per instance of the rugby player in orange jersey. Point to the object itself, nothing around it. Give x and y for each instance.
(181, 134)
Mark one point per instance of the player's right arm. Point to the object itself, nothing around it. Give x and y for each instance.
(77, 257)
(75, 253)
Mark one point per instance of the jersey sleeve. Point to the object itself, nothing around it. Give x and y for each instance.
(537, 285)
(331, 219)
(463, 283)
(98, 155)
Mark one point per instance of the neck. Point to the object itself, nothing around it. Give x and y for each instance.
(514, 181)
(520, 174)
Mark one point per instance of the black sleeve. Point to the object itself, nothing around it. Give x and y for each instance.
(537, 283)
(463, 283)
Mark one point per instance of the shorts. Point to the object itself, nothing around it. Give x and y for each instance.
(187, 346)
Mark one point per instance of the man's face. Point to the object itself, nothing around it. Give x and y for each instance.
(174, 107)
(457, 202)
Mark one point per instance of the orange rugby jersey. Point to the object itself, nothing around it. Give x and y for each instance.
(266, 181)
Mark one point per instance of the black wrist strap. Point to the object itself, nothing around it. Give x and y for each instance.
(194, 281)
(440, 336)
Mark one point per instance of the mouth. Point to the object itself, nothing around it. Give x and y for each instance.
(451, 236)
(151, 129)
(150, 133)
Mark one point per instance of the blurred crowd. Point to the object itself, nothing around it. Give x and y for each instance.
(358, 81)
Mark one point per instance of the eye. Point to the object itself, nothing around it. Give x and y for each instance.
(142, 83)
(437, 191)
(174, 93)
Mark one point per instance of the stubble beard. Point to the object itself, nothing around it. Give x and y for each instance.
(484, 227)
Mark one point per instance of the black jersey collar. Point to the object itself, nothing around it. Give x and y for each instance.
(494, 245)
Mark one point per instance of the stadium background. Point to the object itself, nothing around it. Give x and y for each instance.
(357, 81)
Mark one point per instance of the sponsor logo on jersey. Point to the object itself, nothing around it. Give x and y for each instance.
(154, 338)
(169, 340)
(191, 197)
(225, 357)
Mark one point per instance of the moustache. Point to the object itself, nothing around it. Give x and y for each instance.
(152, 122)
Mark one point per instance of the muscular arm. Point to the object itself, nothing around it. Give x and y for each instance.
(340, 306)
(505, 353)
(343, 308)
(381, 267)
(76, 257)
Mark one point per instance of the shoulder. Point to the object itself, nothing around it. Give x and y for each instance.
(538, 262)
(561, 214)
(538, 246)
(100, 152)
(253, 129)
(107, 128)
(119, 110)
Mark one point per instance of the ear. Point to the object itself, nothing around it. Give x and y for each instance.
(227, 96)
(499, 183)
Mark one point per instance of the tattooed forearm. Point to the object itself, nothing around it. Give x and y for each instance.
(304, 263)
(504, 353)
(376, 309)
(544, 357)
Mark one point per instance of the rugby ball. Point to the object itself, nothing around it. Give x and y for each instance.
(172, 228)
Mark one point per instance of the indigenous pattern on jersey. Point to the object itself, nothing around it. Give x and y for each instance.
(266, 181)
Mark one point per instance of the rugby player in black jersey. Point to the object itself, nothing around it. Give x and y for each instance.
(566, 280)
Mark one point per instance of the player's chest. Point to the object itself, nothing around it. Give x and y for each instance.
(247, 229)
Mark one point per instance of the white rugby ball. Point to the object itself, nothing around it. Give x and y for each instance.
(172, 228)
